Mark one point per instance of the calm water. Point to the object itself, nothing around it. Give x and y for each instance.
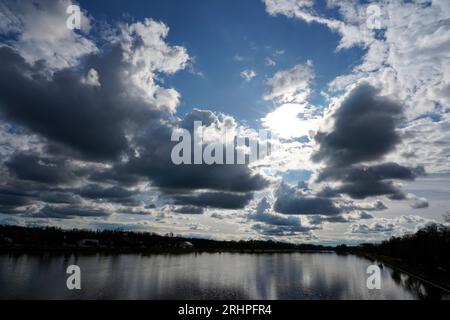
(204, 276)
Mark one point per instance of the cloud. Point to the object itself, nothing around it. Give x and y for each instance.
(365, 129)
(42, 170)
(289, 201)
(69, 212)
(352, 32)
(293, 116)
(115, 194)
(223, 200)
(248, 75)
(39, 32)
(96, 132)
(92, 121)
(375, 227)
(270, 62)
(361, 182)
(343, 218)
(273, 224)
(389, 227)
(291, 86)
(146, 51)
(420, 203)
(189, 210)
(378, 205)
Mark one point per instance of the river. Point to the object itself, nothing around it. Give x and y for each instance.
(205, 276)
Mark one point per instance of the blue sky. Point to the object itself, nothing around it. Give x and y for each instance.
(216, 32)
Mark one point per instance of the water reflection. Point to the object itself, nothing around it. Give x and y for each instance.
(204, 276)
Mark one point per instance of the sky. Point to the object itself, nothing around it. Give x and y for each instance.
(355, 95)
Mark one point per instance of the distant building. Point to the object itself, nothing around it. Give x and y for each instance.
(88, 243)
(186, 245)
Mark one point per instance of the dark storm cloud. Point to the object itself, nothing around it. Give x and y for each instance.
(270, 223)
(92, 121)
(305, 206)
(365, 129)
(11, 199)
(189, 210)
(234, 178)
(42, 170)
(291, 202)
(377, 172)
(360, 182)
(93, 191)
(155, 163)
(69, 212)
(59, 197)
(221, 200)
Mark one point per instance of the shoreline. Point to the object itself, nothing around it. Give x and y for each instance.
(440, 279)
(118, 251)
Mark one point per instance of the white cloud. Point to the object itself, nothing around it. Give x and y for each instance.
(147, 53)
(40, 32)
(352, 32)
(408, 61)
(270, 62)
(291, 86)
(382, 228)
(91, 78)
(248, 75)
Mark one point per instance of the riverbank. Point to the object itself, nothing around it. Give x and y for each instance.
(115, 251)
(437, 278)
(14, 238)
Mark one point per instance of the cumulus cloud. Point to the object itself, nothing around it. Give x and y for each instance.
(273, 224)
(189, 210)
(291, 201)
(39, 32)
(361, 182)
(223, 200)
(42, 170)
(365, 129)
(382, 228)
(98, 129)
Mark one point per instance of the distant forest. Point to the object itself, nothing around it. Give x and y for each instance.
(429, 248)
(46, 238)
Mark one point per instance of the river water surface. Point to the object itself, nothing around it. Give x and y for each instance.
(205, 276)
